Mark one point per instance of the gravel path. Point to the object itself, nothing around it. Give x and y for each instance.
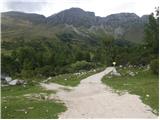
(92, 99)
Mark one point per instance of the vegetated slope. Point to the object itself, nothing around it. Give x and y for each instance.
(63, 39)
(122, 25)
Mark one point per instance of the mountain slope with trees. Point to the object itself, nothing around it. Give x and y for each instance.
(33, 45)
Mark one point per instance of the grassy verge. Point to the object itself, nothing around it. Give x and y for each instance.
(73, 79)
(145, 84)
(16, 105)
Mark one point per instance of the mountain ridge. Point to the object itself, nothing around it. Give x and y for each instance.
(124, 25)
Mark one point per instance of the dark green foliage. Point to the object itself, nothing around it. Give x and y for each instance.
(155, 66)
(152, 34)
(81, 65)
(9, 65)
(152, 41)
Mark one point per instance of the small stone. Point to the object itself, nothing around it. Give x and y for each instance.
(120, 66)
(5, 107)
(8, 79)
(131, 74)
(49, 78)
(65, 79)
(30, 108)
(25, 112)
(147, 95)
(109, 77)
(155, 111)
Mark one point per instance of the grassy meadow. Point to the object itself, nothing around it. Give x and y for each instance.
(15, 104)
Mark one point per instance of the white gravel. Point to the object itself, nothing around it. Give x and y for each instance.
(92, 99)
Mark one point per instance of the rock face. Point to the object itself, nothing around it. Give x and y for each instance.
(79, 17)
(125, 26)
(73, 16)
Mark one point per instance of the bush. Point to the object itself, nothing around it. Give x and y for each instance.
(155, 66)
(27, 73)
(82, 65)
(45, 71)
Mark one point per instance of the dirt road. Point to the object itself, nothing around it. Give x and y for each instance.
(92, 99)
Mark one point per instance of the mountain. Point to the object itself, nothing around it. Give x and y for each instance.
(73, 16)
(126, 26)
(33, 18)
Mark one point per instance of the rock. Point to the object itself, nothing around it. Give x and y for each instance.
(130, 66)
(8, 79)
(25, 83)
(115, 73)
(30, 108)
(120, 66)
(65, 79)
(148, 67)
(16, 82)
(21, 110)
(147, 95)
(134, 66)
(13, 82)
(77, 73)
(109, 77)
(155, 111)
(136, 73)
(131, 73)
(49, 78)
(44, 81)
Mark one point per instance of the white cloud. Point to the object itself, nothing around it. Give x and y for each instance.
(100, 7)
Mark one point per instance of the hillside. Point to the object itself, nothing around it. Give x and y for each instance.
(126, 26)
(69, 41)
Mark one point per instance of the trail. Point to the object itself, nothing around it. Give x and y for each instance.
(92, 99)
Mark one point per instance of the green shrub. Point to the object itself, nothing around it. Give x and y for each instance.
(155, 66)
(81, 65)
(45, 71)
(27, 73)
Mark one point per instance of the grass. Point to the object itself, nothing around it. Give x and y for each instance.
(19, 108)
(143, 84)
(73, 79)
(16, 105)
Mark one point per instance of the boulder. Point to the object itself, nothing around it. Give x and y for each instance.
(16, 82)
(115, 73)
(49, 78)
(131, 73)
(8, 79)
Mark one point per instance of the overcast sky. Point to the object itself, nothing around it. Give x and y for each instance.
(100, 7)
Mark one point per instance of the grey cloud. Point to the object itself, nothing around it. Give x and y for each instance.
(25, 6)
